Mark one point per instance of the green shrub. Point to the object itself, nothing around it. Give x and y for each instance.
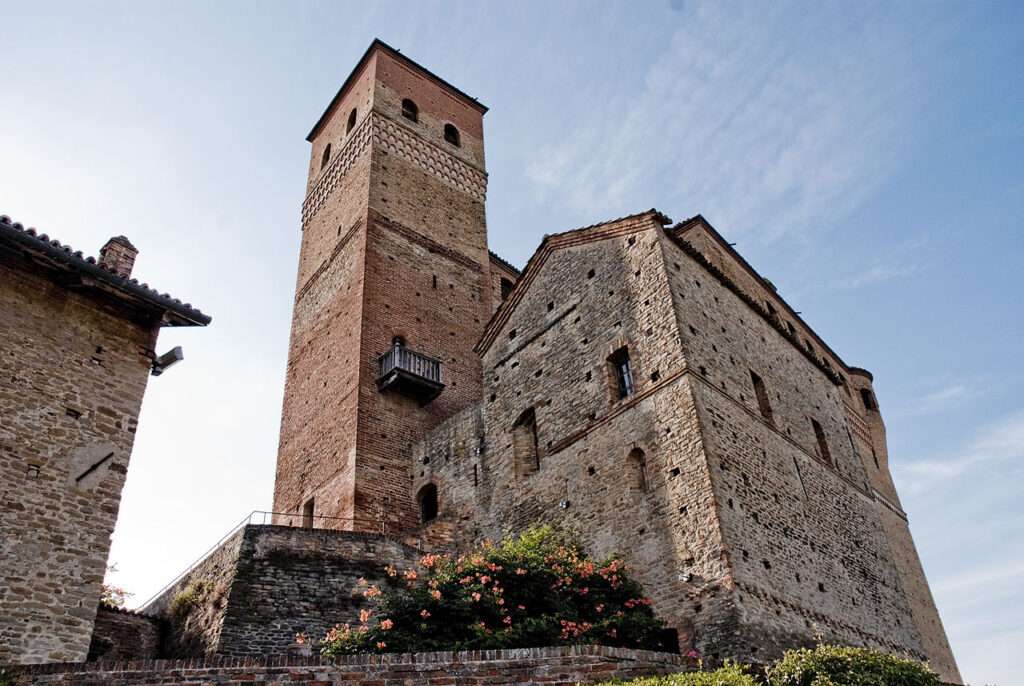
(189, 597)
(841, 666)
(729, 675)
(536, 589)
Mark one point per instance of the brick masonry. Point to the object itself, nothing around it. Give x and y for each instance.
(745, 478)
(555, 666)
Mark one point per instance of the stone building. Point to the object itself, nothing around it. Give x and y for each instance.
(638, 382)
(77, 345)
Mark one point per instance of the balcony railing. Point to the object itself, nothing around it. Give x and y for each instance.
(410, 372)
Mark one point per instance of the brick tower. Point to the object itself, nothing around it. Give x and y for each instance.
(393, 291)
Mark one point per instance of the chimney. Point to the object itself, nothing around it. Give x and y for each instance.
(118, 256)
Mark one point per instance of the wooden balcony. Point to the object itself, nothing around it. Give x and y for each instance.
(409, 372)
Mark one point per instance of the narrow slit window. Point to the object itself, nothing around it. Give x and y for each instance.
(506, 288)
(427, 499)
(763, 402)
(638, 465)
(308, 514)
(524, 443)
(819, 434)
(326, 157)
(622, 373)
(351, 121)
(410, 111)
(869, 400)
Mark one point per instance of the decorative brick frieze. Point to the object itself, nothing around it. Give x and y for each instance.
(395, 139)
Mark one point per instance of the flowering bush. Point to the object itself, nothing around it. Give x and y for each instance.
(537, 589)
(842, 666)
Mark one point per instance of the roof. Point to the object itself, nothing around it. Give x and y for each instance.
(378, 44)
(50, 254)
(684, 226)
(495, 257)
(550, 243)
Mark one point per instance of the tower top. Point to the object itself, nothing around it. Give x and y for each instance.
(380, 46)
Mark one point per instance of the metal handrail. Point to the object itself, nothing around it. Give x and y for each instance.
(249, 520)
(400, 357)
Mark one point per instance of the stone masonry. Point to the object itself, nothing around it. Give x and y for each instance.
(267, 583)
(77, 338)
(638, 383)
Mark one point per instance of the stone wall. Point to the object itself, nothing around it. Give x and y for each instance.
(555, 666)
(124, 635)
(73, 374)
(195, 606)
(265, 584)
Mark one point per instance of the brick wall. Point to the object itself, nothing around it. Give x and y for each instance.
(124, 635)
(555, 666)
(73, 374)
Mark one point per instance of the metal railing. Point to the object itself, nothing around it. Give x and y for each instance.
(292, 519)
(401, 358)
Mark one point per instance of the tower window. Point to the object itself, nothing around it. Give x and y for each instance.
(427, 500)
(327, 156)
(869, 400)
(622, 372)
(410, 111)
(638, 465)
(506, 288)
(307, 514)
(524, 443)
(451, 134)
(762, 397)
(819, 433)
(351, 121)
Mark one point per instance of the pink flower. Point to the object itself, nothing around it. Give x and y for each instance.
(507, 620)
(381, 645)
(387, 624)
(436, 594)
(476, 597)
(364, 616)
(411, 575)
(391, 571)
(372, 592)
(424, 613)
(599, 608)
(520, 571)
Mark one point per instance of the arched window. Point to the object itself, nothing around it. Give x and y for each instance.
(524, 443)
(451, 134)
(351, 121)
(327, 156)
(410, 111)
(638, 465)
(427, 499)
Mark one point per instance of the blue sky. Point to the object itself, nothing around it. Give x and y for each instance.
(865, 157)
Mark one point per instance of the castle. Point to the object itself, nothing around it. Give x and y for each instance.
(637, 382)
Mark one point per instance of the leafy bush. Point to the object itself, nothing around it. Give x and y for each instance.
(729, 675)
(189, 597)
(841, 666)
(537, 589)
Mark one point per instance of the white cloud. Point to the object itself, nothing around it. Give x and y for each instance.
(1000, 441)
(764, 130)
(874, 274)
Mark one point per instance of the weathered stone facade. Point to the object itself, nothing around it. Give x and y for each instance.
(638, 383)
(265, 584)
(122, 635)
(77, 339)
